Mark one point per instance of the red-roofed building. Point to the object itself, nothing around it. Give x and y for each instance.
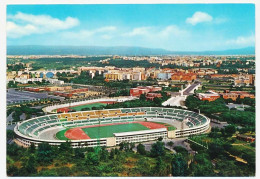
(143, 90)
(151, 96)
(235, 94)
(180, 76)
(209, 96)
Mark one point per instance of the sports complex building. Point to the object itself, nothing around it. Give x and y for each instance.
(111, 127)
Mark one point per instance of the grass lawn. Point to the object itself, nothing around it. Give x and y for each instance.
(78, 108)
(107, 131)
(169, 127)
(61, 135)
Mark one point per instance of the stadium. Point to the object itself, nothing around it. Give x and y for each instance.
(111, 127)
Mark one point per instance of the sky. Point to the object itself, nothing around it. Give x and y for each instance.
(177, 27)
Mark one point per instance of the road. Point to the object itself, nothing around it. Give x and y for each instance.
(177, 142)
(174, 101)
(190, 89)
(176, 98)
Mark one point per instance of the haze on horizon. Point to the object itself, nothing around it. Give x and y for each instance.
(176, 27)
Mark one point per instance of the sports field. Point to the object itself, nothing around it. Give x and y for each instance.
(61, 135)
(78, 108)
(105, 130)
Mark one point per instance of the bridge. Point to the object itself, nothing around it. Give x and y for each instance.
(54, 71)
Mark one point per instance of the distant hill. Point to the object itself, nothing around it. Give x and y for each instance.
(117, 50)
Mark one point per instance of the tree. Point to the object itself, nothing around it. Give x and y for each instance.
(45, 173)
(179, 165)
(250, 158)
(10, 134)
(201, 166)
(160, 139)
(215, 149)
(12, 84)
(65, 147)
(157, 149)
(160, 168)
(181, 150)
(141, 149)
(112, 154)
(157, 101)
(170, 143)
(104, 154)
(121, 145)
(142, 97)
(132, 146)
(30, 165)
(44, 154)
(92, 159)
(144, 167)
(32, 148)
(230, 130)
(79, 154)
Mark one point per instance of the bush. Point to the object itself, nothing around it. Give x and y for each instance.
(141, 149)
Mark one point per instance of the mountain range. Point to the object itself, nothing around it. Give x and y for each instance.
(116, 50)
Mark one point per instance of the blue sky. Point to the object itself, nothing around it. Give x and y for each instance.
(189, 27)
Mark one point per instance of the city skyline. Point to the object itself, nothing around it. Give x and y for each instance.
(186, 27)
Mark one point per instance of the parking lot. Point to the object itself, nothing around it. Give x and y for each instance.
(14, 96)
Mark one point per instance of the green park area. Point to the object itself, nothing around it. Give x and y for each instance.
(90, 106)
(107, 131)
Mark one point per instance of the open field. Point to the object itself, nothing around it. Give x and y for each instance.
(79, 108)
(61, 135)
(106, 130)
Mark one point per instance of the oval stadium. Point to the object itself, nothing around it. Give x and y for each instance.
(110, 127)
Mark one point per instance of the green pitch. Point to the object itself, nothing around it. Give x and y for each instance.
(78, 108)
(107, 131)
(61, 135)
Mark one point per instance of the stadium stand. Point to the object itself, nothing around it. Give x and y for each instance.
(31, 130)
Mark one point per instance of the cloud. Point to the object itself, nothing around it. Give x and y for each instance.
(220, 20)
(199, 17)
(138, 31)
(77, 35)
(107, 37)
(242, 41)
(22, 24)
(171, 30)
(155, 32)
(83, 34)
(106, 29)
(14, 30)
